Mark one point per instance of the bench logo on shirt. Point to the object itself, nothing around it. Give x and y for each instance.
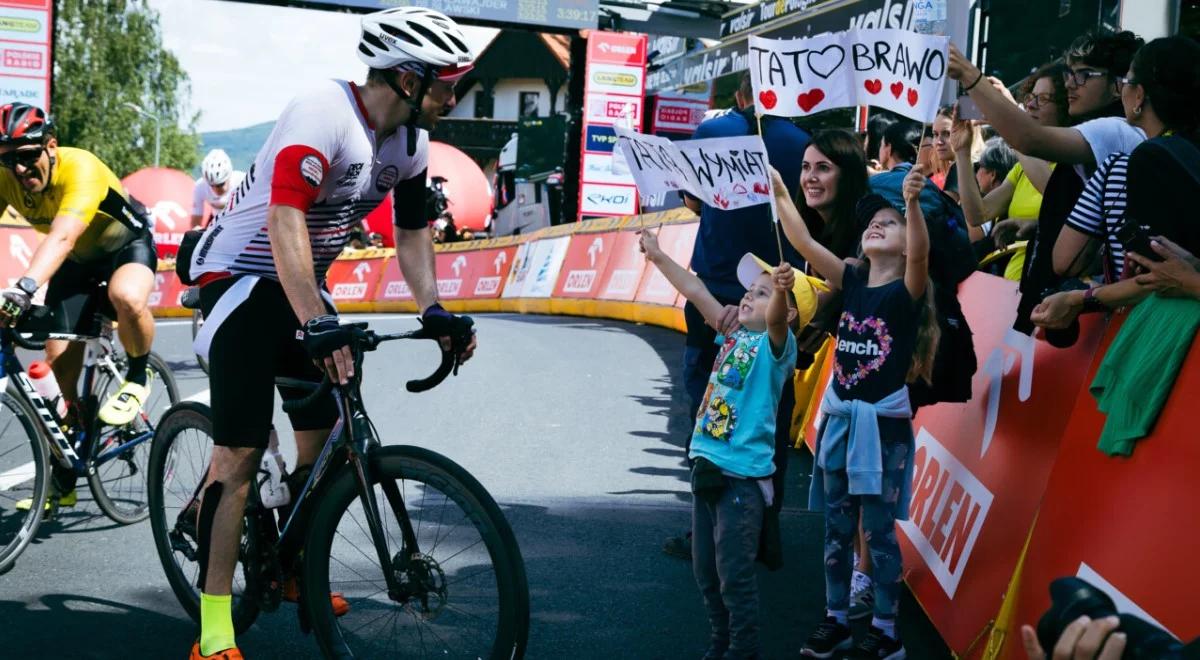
(868, 338)
(311, 170)
(387, 178)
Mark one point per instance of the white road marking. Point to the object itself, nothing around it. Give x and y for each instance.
(17, 475)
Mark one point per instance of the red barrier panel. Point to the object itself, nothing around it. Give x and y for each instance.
(475, 274)
(677, 241)
(167, 290)
(583, 267)
(354, 280)
(623, 270)
(1125, 524)
(17, 245)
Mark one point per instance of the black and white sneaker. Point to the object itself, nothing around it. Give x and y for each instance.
(829, 638)
(878, 646)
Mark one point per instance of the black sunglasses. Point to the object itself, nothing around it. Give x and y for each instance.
(26, 158)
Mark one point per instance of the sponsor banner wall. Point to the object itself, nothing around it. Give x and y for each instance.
(583, 267)
(354, 280)
(677, 241)
(518, 272)
(1124, 524)
(167, 290)
(615, 82)
(678, 115)
(26, 52)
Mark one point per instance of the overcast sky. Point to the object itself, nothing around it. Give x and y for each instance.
(246, 61)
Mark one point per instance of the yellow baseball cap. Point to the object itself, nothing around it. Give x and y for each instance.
(805, 289)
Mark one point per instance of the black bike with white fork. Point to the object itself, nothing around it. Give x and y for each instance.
(33, 437)
(417, 547)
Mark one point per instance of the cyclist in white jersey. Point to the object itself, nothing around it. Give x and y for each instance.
(215, 186)
(333, 155)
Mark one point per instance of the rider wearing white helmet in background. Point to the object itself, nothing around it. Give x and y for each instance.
(332, 157)
(215, 186)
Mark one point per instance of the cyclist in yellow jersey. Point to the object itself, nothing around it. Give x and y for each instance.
(95, 233)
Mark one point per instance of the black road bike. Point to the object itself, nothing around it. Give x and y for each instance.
(416, 546)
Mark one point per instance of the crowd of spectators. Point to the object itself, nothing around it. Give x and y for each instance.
(1079, 187)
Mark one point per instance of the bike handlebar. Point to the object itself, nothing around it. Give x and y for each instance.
(366, 340)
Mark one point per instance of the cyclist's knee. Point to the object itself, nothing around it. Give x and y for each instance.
(234, 466)
(127, 302)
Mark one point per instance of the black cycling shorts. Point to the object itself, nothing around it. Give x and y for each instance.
(251, 340)
(75, 296)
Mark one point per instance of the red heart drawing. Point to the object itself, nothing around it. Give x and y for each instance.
(912, 96)
(897, 89)
(809, 100)
(768, 99)
(761, 188)
(874, 86)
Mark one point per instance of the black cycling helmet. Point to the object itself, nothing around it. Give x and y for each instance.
(21, 123)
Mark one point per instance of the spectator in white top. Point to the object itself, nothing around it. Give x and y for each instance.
(215, 186)
(1096, 62)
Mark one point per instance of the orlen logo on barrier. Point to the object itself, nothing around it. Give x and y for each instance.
(450, 288)
(397, 289)
(353, 290)
(949, 507)
(156, 295)
(486, 286)
(617, 79)
(581, 281)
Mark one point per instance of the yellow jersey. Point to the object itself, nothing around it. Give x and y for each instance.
(82, 187)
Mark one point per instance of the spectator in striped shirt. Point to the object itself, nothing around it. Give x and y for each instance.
(1161, 95)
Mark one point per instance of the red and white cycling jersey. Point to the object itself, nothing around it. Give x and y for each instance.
(321, 158)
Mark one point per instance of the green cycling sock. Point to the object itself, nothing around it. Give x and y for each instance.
(216, 623)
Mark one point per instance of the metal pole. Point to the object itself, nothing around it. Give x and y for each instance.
(157, 138)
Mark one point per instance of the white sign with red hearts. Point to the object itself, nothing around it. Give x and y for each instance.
(727, 173)
(898, 70)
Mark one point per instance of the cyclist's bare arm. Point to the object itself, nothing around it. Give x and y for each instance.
(414, 250)
(66, 228)
(292, 250)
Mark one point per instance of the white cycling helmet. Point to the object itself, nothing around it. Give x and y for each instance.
(216, 167)
(415, 36)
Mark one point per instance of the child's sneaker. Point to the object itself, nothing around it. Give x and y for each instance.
(829, 638)
(878, 646)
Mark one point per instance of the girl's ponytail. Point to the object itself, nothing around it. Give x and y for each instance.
(928, 335)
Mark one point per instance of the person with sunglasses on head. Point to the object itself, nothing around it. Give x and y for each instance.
(332, 157)
(95, 233)
(215, 186)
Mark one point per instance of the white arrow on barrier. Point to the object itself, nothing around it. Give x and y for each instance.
(362, 270)
(20, 250)
(597, 247)
(459, 262)
(501, 259)
(168, 211)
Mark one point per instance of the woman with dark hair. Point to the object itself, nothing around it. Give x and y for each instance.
(1160, 95)
(833, 177)
(1044, 95)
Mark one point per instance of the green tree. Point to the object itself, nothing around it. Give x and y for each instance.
(108, 54)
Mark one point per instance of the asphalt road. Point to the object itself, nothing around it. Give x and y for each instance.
(575, 426)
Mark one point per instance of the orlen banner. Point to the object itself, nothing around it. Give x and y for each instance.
(981, 468)
(354, 280)
(26, 51)
(167, 194)
(677, 241)
(614, 90)
(583, 267)
(473, 274)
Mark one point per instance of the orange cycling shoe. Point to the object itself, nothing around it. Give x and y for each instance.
(291, 594)
(227, 654)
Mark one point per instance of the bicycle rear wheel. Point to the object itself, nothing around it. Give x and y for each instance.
(179, 459)
(468, 596)
(24, 474)
(119, 484)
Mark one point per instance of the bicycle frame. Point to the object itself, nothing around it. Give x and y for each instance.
(98, 356)
(359, 439)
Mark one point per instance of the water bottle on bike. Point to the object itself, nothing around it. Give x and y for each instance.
(272, 488)
(42, 379)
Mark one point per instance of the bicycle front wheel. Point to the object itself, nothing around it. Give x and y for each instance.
(24, 475)
(119, 483)
(465, 589)
(179, 463)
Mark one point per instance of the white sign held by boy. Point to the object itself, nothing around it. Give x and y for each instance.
(730, 172)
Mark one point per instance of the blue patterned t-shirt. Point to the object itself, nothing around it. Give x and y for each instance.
(735, 427)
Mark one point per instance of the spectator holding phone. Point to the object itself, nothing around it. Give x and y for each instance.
(1161, 94)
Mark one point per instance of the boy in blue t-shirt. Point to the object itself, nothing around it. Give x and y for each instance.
(734, 437)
